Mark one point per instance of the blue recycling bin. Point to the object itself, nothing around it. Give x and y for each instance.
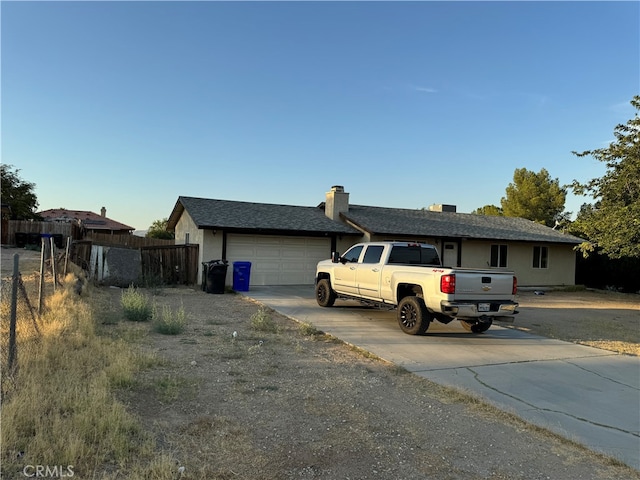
(241, 276)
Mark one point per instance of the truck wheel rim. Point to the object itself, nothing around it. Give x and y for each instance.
(322, 294)
(408, 316)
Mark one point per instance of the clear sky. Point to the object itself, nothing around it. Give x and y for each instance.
(129, 105)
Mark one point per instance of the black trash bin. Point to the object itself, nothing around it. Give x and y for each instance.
(214, 274)
(21, 239)
(33, 238)
(58, 240)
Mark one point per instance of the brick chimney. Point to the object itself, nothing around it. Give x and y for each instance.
(442, 207)
(337, 202)
(103, 212)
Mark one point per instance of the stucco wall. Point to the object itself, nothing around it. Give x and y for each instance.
(186, 226)
(561, 264)
(477, 254)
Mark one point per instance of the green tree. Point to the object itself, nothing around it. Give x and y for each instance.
(612, 224)
(158, 229)
(534, 196)
(18, 194)
(489, 210)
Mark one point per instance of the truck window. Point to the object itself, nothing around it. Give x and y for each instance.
(352, 254)
(373, 254)
(414, 255)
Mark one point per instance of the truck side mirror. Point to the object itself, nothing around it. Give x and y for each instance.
(335, 257)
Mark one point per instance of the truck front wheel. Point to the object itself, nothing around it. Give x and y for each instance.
(325, 296)
(413, 316)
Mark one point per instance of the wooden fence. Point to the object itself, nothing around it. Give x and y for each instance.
(161, 264)
(124, 241)
(175, 264)
(27, 231)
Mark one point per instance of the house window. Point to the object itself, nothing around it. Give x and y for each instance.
(540, 257)
(498, 256)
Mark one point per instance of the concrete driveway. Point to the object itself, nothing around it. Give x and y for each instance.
(585, 394)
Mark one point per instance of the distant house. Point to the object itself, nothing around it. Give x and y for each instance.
(87, 221)
(285, 242)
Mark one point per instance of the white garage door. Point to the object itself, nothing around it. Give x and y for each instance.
(277, 260)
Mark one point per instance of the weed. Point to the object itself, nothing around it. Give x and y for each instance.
(169, 323)
(308, 330)
(136, 305)
(262, 321)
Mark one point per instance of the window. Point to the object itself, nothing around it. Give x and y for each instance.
(498, 256)
(414, 255)
(353, 254)
(540, 257)
(373, 254)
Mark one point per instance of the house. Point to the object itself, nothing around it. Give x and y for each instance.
(284, 242)
(88, 222)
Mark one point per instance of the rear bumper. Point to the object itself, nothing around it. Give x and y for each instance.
(476, 309)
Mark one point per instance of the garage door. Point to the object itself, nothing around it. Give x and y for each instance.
(278, 260)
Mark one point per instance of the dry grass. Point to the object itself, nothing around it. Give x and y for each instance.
(58, 406)
(277, 398)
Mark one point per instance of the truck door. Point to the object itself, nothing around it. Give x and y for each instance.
(345, 273)
(369, 272)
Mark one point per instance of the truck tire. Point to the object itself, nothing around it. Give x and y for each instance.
(325, 296)
(479, 327)
(413, 316)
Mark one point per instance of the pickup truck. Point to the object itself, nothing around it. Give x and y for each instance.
(410, 277)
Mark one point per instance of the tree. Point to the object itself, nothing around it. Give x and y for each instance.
(18, 194)
(534, 196)
(489, 210)
(158, 229)
(612, 224)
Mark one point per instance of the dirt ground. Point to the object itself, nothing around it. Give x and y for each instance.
(276, 400)
(245, 393)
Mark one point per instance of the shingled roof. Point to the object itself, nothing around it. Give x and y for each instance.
(257, 217)
(426, 223)
(85, 218)
(248, 217)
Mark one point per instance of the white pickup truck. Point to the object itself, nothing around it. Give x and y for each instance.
(410, 276)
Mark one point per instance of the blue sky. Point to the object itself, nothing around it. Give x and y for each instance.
(129, 105)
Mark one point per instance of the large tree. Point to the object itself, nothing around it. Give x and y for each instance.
(612, 224)
(534, 196)
(489, 210)
(158, 229)
(18, 194)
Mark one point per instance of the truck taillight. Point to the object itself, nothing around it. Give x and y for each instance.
(514, 290)
(448, 283)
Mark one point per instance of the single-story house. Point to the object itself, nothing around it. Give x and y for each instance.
(88, 221)
(284, 242)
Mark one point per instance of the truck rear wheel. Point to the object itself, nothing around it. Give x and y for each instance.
(477, 327)
(325, 296)
(413, 316)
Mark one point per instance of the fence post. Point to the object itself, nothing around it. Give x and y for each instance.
(66, 257)
(13, 351)
(52, 259)
(41, 284)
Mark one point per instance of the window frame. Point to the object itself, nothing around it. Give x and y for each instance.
(501, 255)
(540, 257)
(372, 248)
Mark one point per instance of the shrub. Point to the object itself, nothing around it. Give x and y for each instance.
(136, 305)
